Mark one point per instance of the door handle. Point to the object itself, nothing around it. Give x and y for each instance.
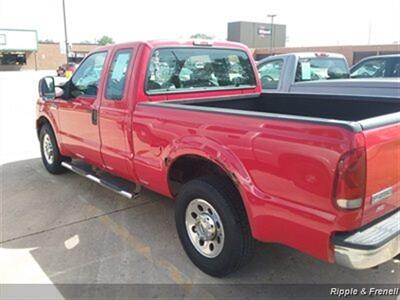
(94, 116)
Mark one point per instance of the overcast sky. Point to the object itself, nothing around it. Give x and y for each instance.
(308, 22)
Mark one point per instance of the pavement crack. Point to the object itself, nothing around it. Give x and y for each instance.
(75, 222)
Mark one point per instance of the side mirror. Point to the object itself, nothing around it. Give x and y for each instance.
(47, 89)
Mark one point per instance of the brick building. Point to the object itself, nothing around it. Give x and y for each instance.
(48, 56)
(20, 50)
(353, 54)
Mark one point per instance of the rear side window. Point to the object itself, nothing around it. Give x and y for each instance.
(270, 73)
(117, 74)
(396, 68)
(321, 68)
(189, 69)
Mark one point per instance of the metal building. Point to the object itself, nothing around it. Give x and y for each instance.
(257, 35)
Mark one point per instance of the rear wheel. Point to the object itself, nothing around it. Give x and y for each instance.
(50, 153)
(212, 226)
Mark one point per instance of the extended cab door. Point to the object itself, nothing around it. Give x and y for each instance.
(78, 113)
(115, 116)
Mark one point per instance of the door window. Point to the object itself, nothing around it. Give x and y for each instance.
(270, 74)
(117, 74)
(370, 68)
(396, 68)
(86, 79)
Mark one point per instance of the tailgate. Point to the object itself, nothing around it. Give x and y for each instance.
(383, 171)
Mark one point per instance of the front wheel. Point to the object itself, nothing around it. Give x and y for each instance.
(212, 226)
(50, 153)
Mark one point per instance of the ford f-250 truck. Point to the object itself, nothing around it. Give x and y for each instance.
(188, 120)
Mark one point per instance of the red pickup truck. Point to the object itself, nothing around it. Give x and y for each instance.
(320, 173)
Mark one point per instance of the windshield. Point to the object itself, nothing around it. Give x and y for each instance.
(321, 68)
(187, 69)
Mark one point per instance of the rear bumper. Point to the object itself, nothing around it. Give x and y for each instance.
(370, 245)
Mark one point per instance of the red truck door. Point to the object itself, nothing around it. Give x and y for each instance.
(115, 115)
(78, 115)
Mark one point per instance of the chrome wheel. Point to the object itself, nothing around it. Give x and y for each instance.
(204, 228)
(48, 149)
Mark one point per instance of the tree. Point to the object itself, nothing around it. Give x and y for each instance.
(201, 36)
(105, 39)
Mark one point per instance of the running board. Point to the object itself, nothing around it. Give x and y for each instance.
(116, 184)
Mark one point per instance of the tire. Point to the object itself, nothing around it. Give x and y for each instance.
(48, 139)
(234, 231)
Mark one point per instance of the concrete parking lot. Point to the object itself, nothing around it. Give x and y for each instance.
(66, 229)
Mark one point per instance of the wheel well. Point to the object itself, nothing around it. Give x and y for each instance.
(39, 124)
(190, 167)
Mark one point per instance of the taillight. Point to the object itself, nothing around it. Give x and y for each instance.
(349, 190)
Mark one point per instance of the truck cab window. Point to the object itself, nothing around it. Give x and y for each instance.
(270, 73)
(86, 79)
(185, 70)
(117, 74)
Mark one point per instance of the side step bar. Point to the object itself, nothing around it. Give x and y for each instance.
(113, 183)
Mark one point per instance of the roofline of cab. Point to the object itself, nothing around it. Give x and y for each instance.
(153, 44)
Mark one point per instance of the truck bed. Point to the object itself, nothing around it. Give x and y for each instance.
(341, 108)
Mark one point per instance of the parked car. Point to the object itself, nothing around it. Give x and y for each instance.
(66, 70)
(285, 73)
(381, 66)
(188, 120)
(281, 72)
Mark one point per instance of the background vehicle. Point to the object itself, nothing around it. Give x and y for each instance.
(281, 72)
(385, 87)
(285, 73)
(66, 68)
(187, 120)
(377, 67)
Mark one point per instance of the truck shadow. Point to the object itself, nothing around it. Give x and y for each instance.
(67, 230)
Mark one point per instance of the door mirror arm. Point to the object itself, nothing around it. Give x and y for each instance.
(58, 92)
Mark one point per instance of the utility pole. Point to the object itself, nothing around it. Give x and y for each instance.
(271, 44)
(65, 30)
(369, 31)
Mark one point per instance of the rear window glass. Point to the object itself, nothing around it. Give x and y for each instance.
(187, 69)
(321, 68)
